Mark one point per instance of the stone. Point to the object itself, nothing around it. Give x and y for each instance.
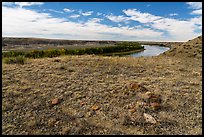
(55, 101)
(132, 110)
(82, 103)
(149, 119)
(155, 105)
(95, 107)
(134, 86)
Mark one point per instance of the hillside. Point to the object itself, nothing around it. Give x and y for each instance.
(92, 94)
(191, 48)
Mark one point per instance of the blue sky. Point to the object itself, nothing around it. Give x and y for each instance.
(134, 21)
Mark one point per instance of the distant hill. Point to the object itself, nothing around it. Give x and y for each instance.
(191, 48)
(14, 43)
(35, 41)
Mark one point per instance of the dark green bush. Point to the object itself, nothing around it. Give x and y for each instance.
(120, 47)
(15, 60)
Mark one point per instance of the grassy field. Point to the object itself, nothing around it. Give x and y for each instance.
(91, 94)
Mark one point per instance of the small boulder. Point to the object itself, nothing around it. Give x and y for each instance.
(149, 119)
(55, 101)
(95, 107)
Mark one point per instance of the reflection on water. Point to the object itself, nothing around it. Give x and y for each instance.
(150, 51)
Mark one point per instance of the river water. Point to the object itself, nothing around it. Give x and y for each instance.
(150, 51)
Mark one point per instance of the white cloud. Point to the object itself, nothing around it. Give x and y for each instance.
(176, 29)
(95, 20)
(195, 5)
(173, 14)
(196, 20)
(22, 4)
(98, 14)
(56, 11)
(88, 13)
(75, 16)
(34, 24)
(120, 18)
(68, 10)
(22, 22)
(141, 17)
(148, 5)
(197, 12)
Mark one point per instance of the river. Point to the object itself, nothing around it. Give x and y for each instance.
(150, 51)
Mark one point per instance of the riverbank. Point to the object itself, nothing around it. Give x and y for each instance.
(92, 94)
(122, 53)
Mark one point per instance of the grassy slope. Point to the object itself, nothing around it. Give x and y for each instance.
(82, 83)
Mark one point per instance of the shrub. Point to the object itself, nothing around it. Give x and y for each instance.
(15, 60)
(119, 47)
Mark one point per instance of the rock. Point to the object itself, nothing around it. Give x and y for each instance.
(134, 86)
(95, 107)
(149, 119)
(155, 105)
(132, 110)
(82, 103)
(148, 93)
(55, 101)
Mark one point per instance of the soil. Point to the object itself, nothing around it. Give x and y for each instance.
(92, 94)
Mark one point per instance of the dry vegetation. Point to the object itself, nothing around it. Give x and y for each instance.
(104, 95)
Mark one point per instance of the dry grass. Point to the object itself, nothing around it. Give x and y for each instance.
(104, 82)
(102, 95)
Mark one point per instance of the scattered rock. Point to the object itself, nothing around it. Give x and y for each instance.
(132, 110)
(95, 107)
(149, 119)
(55, 101)
(134, 86)
(155, 105)
(82, 103)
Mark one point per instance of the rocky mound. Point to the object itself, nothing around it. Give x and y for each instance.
(191, 48)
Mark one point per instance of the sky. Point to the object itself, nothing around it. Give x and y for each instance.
(129, 21)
